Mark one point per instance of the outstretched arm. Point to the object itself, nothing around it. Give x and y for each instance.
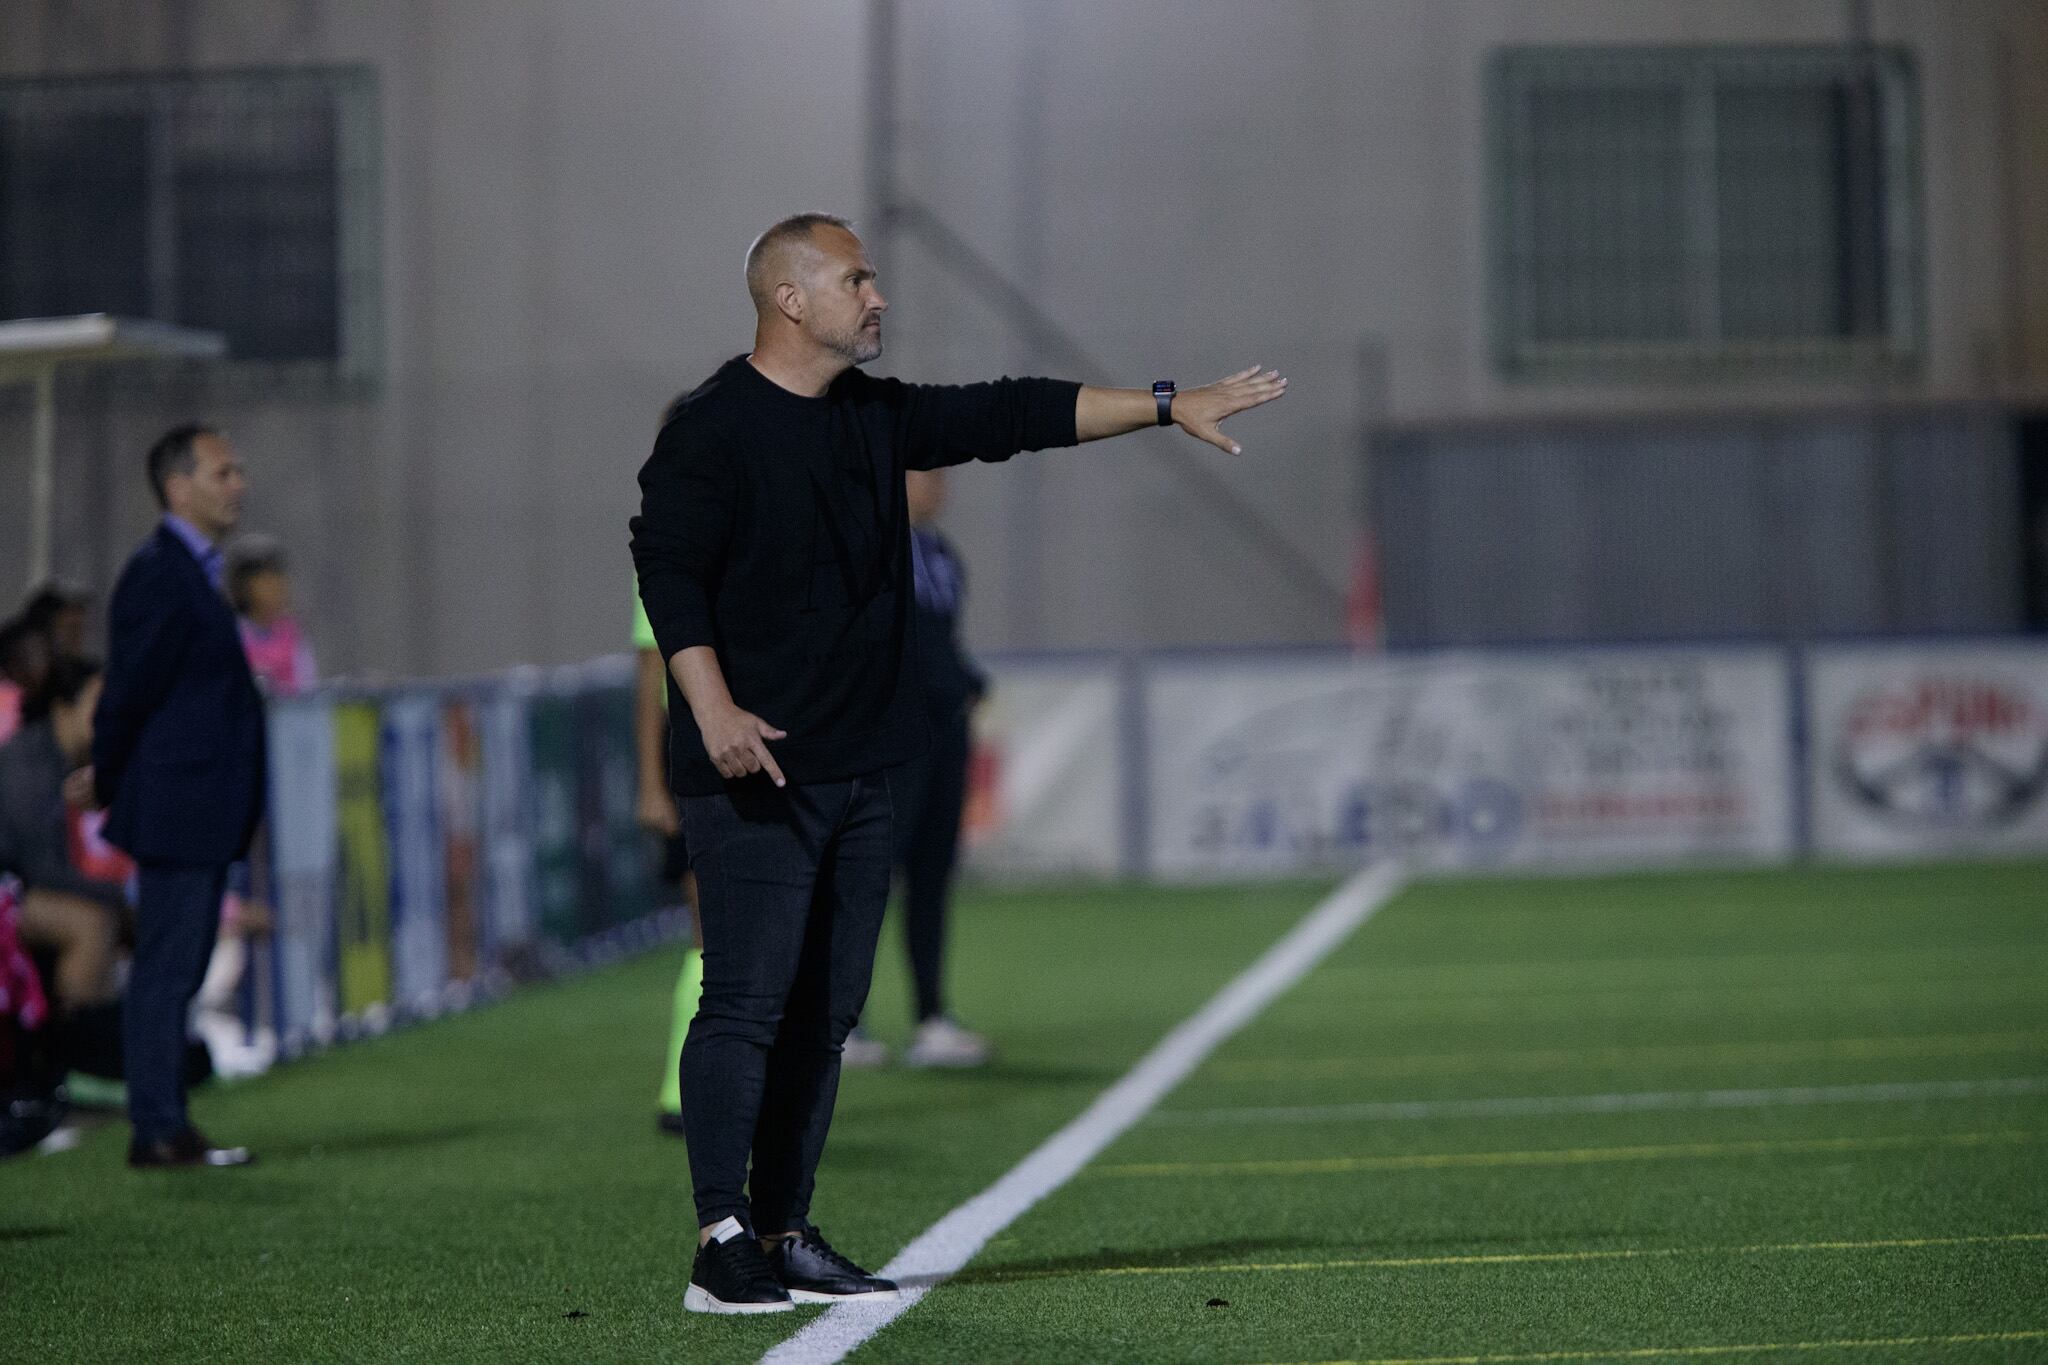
(1102, 412)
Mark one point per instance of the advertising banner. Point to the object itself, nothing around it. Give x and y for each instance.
(1278, 766)
(617, 875)
(459, 792)
(365, 910)
(557, 861)
(1930, 749)
(1047, 775)
(412, 818)
(509, 916)
(305, 853)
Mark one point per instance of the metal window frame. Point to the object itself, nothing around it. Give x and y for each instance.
(1697, 70)
(354, 94)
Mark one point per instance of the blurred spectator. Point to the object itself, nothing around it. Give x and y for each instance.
(658, 815)
(260, 586)
(24, 661)
(56, 611)
(935, 786)
(43, 770)
(31, 1102)
(281, 660)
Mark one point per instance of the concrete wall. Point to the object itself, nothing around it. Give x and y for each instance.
(1182, 188)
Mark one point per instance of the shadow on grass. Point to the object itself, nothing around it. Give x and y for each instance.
(1194, 1256)
(1200, 1256)
(388, 1140)
(35, 1234)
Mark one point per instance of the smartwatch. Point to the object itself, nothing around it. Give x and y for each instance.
(1162, 394)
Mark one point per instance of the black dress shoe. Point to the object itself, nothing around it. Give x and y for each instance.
(671, 1124)
(189, 1148)
(813, 1272)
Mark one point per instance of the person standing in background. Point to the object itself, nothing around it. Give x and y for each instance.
(178, 759)
(935, 786)
(260, 586)
(659, 816)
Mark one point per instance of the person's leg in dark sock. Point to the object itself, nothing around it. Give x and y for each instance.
(852, 894)
(175, 926)
(754, 877)
(933, 851)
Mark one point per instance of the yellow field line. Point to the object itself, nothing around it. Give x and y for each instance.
(1570, 1156)
(1548, 1059)
(1534, 1257)
(1679, 1352)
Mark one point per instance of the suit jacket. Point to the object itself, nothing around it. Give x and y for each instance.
(178, 740)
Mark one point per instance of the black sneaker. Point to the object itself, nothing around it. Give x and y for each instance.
(813, 1272)
(732, 1276)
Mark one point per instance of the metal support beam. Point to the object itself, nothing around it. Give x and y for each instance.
(42, 480)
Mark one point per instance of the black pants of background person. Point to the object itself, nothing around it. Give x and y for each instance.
(791, 888)
(177, 918)
(934, 793)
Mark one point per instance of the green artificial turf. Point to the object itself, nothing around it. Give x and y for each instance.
(490, 1187)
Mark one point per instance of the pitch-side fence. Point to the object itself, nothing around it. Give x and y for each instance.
(430, 844)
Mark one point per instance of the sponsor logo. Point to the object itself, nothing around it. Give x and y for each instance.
(1945, 749)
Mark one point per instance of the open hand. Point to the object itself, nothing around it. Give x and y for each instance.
(737, 742)
(1197, 411)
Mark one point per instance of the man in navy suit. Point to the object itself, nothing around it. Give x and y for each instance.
(178, 759)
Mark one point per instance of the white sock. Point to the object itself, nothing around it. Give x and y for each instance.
(727, 1230)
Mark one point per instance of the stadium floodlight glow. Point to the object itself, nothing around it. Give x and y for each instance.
(31, 349)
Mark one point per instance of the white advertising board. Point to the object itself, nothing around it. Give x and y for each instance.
(1047, 774)
(1277, 766)
(1931, 749)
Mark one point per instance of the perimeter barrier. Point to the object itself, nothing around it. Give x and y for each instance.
(432, 844)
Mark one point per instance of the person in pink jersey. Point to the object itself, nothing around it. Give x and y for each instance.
(260, 586)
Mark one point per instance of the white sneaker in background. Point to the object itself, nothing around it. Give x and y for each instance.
(236, 1055)
(942, 1042)
(863, 1051)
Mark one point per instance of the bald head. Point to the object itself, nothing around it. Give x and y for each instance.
(817, 308)
(788, 252)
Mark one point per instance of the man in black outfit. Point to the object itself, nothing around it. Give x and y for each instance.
(773, 550)
(178, 757)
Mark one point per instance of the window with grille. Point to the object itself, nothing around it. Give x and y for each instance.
(241, 202)
(1679, 208)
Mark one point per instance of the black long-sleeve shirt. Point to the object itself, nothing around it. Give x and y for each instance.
(773, 528)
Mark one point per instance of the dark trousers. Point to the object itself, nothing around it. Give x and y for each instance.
(177, 919)
(791, 887)
(927, 848)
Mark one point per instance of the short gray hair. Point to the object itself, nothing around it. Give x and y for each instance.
(798, 226)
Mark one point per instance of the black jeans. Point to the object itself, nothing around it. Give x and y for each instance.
(177, 918)
(927, 848)
(791, 887)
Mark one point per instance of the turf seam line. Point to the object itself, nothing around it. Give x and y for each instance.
(1675, 1352)
(947, 1245)
(1574, 1156)
(1622, 1103)
(1533, 1257)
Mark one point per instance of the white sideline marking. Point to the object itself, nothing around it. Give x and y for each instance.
(945, 1246)
(1537, 1105)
